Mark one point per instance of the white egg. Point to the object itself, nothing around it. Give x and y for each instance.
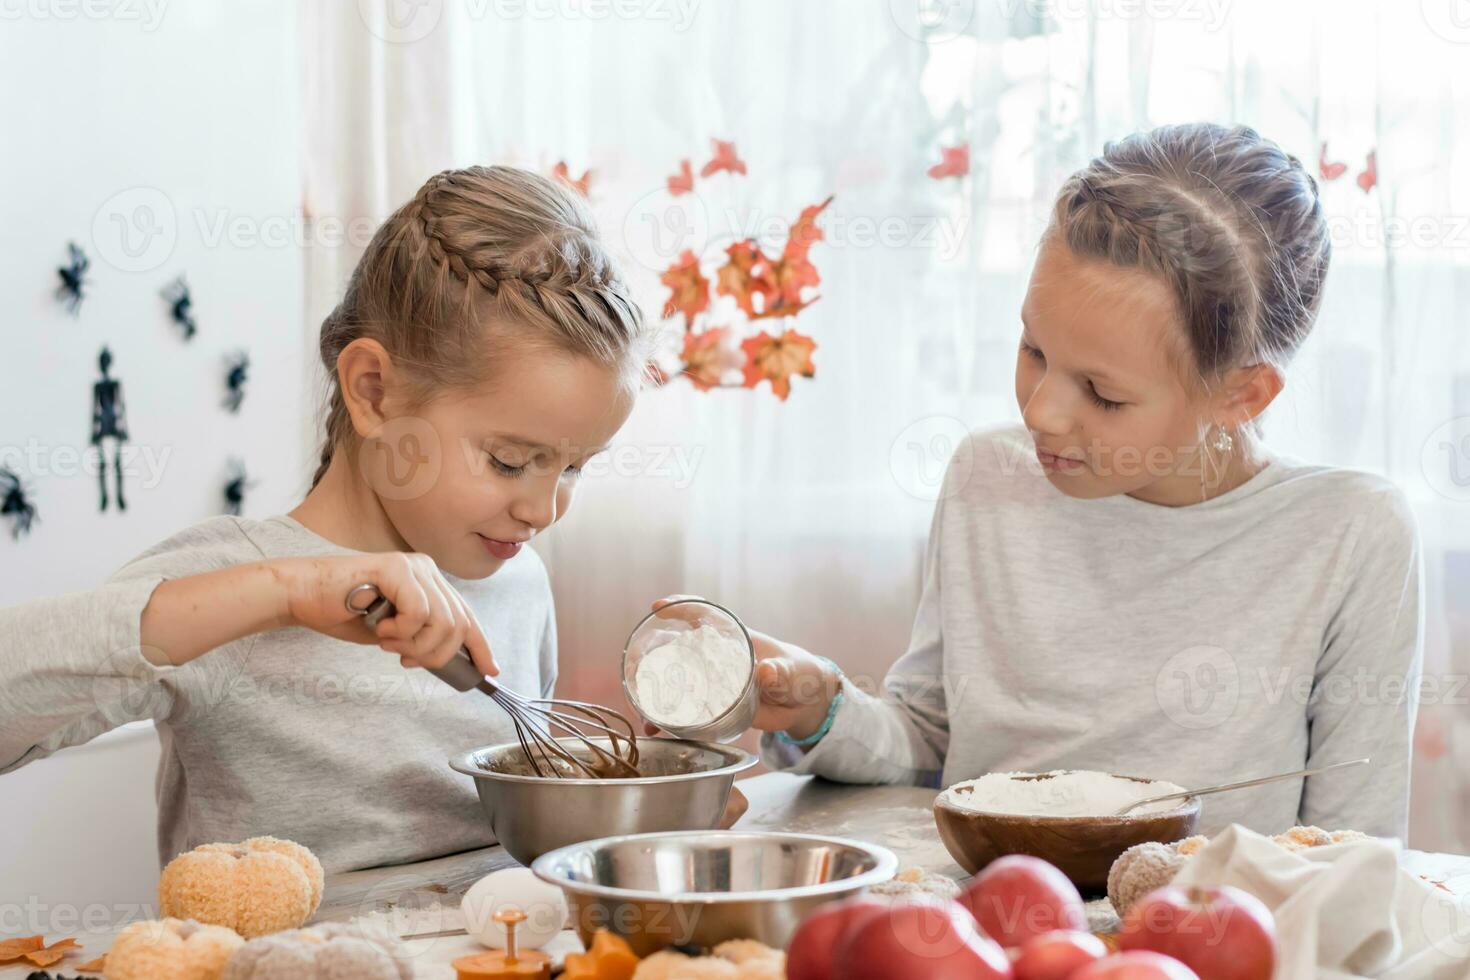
(544, 905)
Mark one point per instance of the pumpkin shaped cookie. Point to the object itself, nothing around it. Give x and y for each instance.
(256, 887)
(170, 949)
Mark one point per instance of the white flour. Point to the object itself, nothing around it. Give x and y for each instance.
(1068, 793)
(691, 680)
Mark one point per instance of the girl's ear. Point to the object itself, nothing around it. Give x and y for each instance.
(1247, 392)
(365, 374)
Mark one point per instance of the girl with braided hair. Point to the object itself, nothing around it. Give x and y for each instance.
(1131, 581)
(484, 350)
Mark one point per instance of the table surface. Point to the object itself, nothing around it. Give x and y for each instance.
(423, 899)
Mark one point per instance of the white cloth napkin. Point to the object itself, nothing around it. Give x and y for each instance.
(1342, 910)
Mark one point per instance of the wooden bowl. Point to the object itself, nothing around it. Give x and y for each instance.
(1084, 848)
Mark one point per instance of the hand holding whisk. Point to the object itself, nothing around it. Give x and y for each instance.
(541, 724)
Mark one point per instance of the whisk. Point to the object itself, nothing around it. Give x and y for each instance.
(535, 719)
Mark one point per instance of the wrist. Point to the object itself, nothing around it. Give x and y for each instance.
(281, 582)
(815, 725)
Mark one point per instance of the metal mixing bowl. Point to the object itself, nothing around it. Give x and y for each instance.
(700, 888)
(686, 788)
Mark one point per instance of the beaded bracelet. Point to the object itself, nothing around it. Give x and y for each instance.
(826, 726)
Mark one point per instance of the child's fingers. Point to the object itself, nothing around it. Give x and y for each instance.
(440, 639)
(774, 675)
(475, 640)
(410, 602)
(735, 807)
(650, 729)
(788, 683)
(679, 607)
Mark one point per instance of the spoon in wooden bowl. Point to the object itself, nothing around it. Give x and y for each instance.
(1226, 787)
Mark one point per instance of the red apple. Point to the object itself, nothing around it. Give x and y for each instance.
(1138, 964)
(1221, 933)
(1018, 897)
(919, 941)
(809, 954)
(1056, 955)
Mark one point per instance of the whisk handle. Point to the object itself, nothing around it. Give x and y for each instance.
(460, 673)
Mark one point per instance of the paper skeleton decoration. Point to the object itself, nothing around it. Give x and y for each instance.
(181, 307)
(237, 366)
(236, 484)
(109, 422)
(73, 287)
(16, 504)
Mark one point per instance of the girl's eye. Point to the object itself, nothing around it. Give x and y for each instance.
(1033, 352)
(505, 468)
(572, 472)
(1105, 404)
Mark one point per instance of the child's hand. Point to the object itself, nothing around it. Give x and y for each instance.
(432, 620)
(796, 688)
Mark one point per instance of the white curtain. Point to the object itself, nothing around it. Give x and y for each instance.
(808, 516)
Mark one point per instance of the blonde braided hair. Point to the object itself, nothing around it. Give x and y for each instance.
(480, 259)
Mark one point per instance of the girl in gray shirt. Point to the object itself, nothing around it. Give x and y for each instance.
(484, 350)
(1130, 581)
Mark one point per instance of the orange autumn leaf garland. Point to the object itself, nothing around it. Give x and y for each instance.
(762, 287)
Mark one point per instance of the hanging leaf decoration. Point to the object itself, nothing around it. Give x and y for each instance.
(709, 355)
(689, 289)
(1329, 170)
(724, 160)
(793, 271)
(954, 161)
(582, 185)
(744, 277)
(1368, 179)
(776, 359)
(762, 286)
(683, 181)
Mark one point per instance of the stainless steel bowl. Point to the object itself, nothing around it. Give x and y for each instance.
(686, 788)
(700, 888)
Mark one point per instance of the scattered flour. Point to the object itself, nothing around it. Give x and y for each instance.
(1067, 793)
(692, 679)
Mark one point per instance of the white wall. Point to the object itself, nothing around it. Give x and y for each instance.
(113, 108)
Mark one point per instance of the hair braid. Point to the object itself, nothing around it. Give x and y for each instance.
(484, 254)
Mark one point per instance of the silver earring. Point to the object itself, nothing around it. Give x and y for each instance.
(1223, 441)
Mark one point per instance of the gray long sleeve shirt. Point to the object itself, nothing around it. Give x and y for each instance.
(288, 732)
(1274, 627)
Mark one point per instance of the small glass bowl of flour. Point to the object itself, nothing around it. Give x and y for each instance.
(690, 669)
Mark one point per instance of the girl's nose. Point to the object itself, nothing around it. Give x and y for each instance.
(1046, 410)
(536, 507)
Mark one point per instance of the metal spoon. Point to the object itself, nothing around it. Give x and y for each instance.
(1241, 785)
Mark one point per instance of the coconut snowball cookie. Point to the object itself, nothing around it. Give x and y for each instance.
(170, 949)
(332, 949)
(916, 883)
(259, 886)
(737, 959)
(1145, 867)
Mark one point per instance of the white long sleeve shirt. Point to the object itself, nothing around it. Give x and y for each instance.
(1274, 627)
